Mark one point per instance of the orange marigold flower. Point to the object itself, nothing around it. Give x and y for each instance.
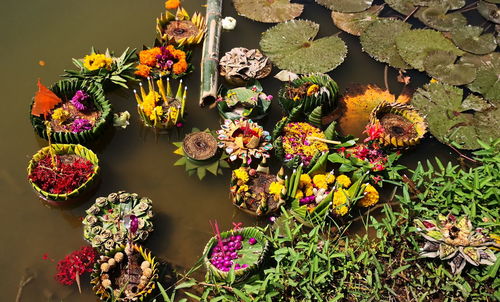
(172, 4)
(148, 56)
(180, 67)
(143, 70)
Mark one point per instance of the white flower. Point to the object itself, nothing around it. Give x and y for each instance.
(228, 23)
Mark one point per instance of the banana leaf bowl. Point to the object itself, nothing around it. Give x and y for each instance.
(128, 273)
(65, 90)
(244, 102)
(77, 151)
(254, 249)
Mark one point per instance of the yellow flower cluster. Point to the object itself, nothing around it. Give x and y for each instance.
(275, 188)
(296, 140)
(340, 200)
(241, 174)
(149, 106)
(60, 115)
(312, 89)
(318, 181)
(370, 197)
(97, 61)
(243, 188)
(344, 181)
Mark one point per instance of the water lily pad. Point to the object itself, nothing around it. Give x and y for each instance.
(437, 18)
(268, 11)
(469, 38)
(487, 83)
(378, 40)
(356, 23)
(346, 6)
(489, 11)
(441, 65)
(414, 45)
(480, 61)
(450, 4)
(404, 7)
(476, 103)
(442, 104)
(291, 46)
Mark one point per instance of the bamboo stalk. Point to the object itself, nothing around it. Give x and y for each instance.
(210, 58)
(324, 140)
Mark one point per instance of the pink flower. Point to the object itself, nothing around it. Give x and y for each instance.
(374, 131)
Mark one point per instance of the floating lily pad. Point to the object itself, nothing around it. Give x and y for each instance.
(442, 104)
(489, 11)
(290, 46)
(487, 82)
(450, 4)
(476, 103)
(469, 38)
(356, 23)
(414, 45)
(480, 61)
(346, 6)
(437, 18)
(378, 40)
(441, 65)
(274, 11)
(404, 7)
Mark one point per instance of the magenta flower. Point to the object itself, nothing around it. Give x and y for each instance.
(80, 125)
(78, 99)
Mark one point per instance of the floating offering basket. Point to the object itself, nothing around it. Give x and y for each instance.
(128, 273)
(256, 191)
(241, 65)
(161, 109)
(244, 102)
(242, 250)
(79, 114)
(401, 124)
(104, 227)
(180, 28)
(46, 166)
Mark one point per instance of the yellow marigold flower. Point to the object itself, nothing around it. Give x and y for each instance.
(96, 61)
(149, 103)
(370, 197)
(299, 194)
(309, 190)
(344, 181)
(330, 178)
(340, 197)
(180, 67)
(341, 210)
(156, 114)
(148, 56)
(312, 89)
(241, 174)
(143, 70)
(172, 4)
(60, 115)
(305, 180)
(319, 181)
(275, 188)
(243, 188)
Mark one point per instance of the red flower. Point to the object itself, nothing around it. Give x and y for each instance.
(374, 131)
(78, 262)
(45, 256)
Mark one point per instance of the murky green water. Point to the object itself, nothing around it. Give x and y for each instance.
(133, 159)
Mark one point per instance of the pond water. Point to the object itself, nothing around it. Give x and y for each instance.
(133, 159)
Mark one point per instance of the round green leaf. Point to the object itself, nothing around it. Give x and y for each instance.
(437, 18)
(441, 65)
(346, 6)
(356, 23)
(378, 40)
(476, 103)
(268, 11)
(489, 11)
(414, 45)
(469, 38)
(404, 7)
(291, 46)
(480, 61)
(450, 4)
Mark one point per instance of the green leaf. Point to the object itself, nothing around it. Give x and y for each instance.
(242, 295)
(268, 11)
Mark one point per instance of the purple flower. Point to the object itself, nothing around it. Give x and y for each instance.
(78, 99)
(131, 222)
(165, 60)
(80, 125)
(252, 241)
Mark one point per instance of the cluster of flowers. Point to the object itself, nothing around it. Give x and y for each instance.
(62, 115)
(371, 151)
(298, 93)
(242, 177)
(96, 61)
(297, 141)
(226, 251)
(342, 197)
(64, 177)
(164, 60)
(76, 263)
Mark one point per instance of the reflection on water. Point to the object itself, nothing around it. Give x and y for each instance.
(133, 159)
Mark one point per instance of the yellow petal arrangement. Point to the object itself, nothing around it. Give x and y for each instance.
(161, 108)
(181, 29)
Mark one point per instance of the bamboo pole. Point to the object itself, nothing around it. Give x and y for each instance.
(210, 58)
